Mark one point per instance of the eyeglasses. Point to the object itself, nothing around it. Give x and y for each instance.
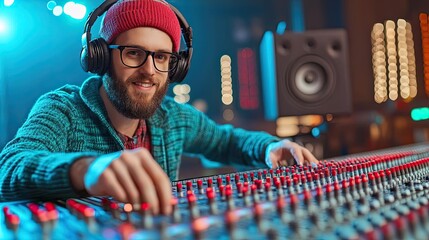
(134, 57)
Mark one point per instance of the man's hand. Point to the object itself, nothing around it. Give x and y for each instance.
(130, 176)
(286, 153)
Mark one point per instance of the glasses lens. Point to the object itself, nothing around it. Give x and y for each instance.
(165, 61)
(133, 57)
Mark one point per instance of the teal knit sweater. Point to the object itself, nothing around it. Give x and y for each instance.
(71, 122)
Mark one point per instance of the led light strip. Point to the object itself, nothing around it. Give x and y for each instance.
(425, 46)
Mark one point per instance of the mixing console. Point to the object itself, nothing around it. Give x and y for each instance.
(376, 195)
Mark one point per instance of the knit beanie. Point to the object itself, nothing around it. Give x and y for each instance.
(127, 14)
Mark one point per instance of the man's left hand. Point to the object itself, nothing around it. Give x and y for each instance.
(286, 153)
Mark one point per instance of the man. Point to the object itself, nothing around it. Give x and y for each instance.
(118, 134)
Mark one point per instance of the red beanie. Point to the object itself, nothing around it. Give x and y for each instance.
(127, 14)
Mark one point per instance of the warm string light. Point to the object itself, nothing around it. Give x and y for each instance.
(423, 17)
(226, 86)
(226, 80)
(379, 63)
(411, 60)
(393, 61)
(182, 93)
(392, 68)
(404, 77)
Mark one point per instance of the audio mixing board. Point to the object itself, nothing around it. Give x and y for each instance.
(375, 195)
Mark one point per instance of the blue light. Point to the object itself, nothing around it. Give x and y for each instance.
(4, 27)
(297, 13)
(419, 114)
(315, 132)
(57, 11)
(16, 25)
(8, 3)
(281, 28)
(51, 4)
(268, 70)
(5, 31)
(323, 127)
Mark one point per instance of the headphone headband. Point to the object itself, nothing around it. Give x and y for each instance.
(95, 54)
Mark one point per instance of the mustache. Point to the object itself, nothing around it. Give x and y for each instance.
(141, 78)
(131, 80)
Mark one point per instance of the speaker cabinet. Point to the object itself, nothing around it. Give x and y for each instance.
(312, 72)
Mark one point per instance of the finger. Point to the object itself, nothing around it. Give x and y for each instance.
(297, 155)
(161, 180)
(145, 186)
(275, 164)
(121, 168)
(283, 163)
(309, 156)
(107, 184)
(147, 189)
(145, 181)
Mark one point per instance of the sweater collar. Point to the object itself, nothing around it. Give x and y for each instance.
(91, 96)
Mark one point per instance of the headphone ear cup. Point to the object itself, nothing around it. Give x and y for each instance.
(95, 58)
(179, 73)
(85, 60)
(101, 56)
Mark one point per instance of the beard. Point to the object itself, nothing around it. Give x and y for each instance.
(136, 106)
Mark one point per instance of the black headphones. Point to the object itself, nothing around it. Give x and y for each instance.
(95, 54)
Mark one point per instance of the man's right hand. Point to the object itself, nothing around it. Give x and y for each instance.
(130, 176)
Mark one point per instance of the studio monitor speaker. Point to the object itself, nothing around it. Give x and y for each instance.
(312, 72)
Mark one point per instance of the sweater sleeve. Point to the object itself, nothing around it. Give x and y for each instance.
(35, 164)
(225, 143)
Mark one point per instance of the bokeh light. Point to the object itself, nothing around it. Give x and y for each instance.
(51, 4)
(75, 10)
(57, 11)
(8, 3)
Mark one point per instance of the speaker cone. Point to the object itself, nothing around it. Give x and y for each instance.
(310, 79)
